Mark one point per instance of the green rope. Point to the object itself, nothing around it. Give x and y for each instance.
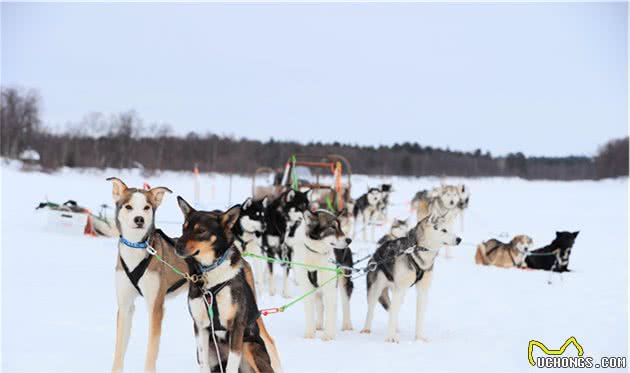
(269, 259)
(282, 308)
(294, 174)
(330, 204)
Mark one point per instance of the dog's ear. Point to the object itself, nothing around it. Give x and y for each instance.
(229, 218)
(184, 206)
(265, 202)
(558, 233)
(462, 188)
(247, 203)
(290, 195)
(342, 212)
(575, 234)
(307, 193)
(118, 189)
(157, 194)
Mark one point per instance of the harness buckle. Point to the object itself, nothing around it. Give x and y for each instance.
(372, 267)
(151, 250)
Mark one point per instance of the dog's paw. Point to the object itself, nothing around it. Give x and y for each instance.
(205, 369)
(286, 295)
(309, 334)
(365, 331)
(346, 327)
(422, 338)
(328, 337)
(392, 338)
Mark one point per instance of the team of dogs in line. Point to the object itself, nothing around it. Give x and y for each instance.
(209, 249)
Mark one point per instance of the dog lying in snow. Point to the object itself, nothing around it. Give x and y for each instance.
(555, 256)
(505, 255)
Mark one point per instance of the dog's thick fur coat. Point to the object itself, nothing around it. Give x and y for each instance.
(207, 239)
(505, 255)
(402, 263)
(136, 273)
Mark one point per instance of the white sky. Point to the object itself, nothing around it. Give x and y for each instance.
(544, 79)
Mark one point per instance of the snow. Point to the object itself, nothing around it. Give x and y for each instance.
(59, 307)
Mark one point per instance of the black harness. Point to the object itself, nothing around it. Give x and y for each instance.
(312, 278)
(137, 273)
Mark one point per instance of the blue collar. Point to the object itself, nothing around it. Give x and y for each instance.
(215, 264)
(135, 245)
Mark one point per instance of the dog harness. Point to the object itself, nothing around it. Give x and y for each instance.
(137, 273)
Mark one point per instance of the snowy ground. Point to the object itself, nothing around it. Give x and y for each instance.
(58, 303)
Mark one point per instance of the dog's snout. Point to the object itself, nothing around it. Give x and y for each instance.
(139, 220)
(458, 240)
(348, 240)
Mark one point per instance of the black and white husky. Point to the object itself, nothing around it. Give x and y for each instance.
(367, 207)
(279, 214)
(383, 204)
(295, 204)
(319, 241)
(248, 232)
(403, 263)
(398, 229)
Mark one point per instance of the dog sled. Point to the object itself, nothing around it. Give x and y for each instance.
(72, 218)
(328, 177)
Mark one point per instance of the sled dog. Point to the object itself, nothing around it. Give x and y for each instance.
(137, 272)
(207, 240)
(506, 255)
(401, 264)
(319, 241)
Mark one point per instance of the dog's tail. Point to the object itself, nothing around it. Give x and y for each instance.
(480, 255)
(270, 345)
(384, 299)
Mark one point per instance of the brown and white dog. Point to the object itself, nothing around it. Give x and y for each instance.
(505, 255)
(236, 329)
(137, 273)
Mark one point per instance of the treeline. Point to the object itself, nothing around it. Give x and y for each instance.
(123, 141)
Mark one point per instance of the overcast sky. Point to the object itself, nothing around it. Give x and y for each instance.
(544, 79)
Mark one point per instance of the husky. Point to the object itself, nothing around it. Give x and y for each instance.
(398, 229)
(555, 256)
(273, 236)
(319, 241)
(443, 201)
(137, 274)
(403, 263)
(383, 204)
(279, 215)
(505, 255)
(366, 206)
(295, 203)
(207, 241)
(248, 232)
